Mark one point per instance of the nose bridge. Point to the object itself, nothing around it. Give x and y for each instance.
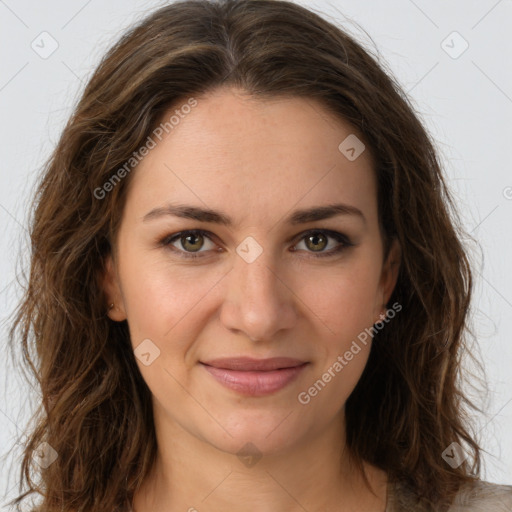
(257, 301)
(258, 279)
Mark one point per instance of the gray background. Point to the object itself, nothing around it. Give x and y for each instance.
(464, 96)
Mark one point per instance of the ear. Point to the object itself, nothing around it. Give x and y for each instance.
(112, 290)
(388, 278)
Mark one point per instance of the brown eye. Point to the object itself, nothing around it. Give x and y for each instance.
(192, 242)
(189, 244)
(316, 242)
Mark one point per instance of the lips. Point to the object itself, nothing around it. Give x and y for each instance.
(249, 364)
(255, 377)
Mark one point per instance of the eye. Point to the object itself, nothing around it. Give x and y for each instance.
(191, 242)
(188, 244)
(317, 240)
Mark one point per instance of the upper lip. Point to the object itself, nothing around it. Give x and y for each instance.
(248, 363)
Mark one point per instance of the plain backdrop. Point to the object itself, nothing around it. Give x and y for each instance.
(453, 58)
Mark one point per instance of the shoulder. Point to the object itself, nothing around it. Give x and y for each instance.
(483, 497)
(479, 496)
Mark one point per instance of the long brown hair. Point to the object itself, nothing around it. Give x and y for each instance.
(408, 406)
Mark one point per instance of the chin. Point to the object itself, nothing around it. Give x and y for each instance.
(249, 434)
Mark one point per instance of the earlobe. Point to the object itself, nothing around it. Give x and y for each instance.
(110, 285)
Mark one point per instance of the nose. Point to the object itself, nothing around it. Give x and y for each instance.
(258, 301)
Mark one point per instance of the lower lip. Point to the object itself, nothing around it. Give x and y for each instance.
(255, 383)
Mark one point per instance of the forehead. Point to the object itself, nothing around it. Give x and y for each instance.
(256, 158)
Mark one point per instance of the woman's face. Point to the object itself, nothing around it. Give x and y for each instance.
(251, 283)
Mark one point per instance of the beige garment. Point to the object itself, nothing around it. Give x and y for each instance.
(482, 497)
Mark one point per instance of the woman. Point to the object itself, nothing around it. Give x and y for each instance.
(248, 290)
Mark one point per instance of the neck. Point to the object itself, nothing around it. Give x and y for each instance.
(192, 475)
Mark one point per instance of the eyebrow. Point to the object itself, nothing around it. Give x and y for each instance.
(216, 217)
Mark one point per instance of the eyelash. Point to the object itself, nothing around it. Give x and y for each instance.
(344, 241)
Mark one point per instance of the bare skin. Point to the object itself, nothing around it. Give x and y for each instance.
(257, 162)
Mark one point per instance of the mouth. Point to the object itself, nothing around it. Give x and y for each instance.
(255, 377)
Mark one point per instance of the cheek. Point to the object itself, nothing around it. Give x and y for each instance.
(342, 299)
(166, 305)
(342, 304)
(343, 310)
(156, 294)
